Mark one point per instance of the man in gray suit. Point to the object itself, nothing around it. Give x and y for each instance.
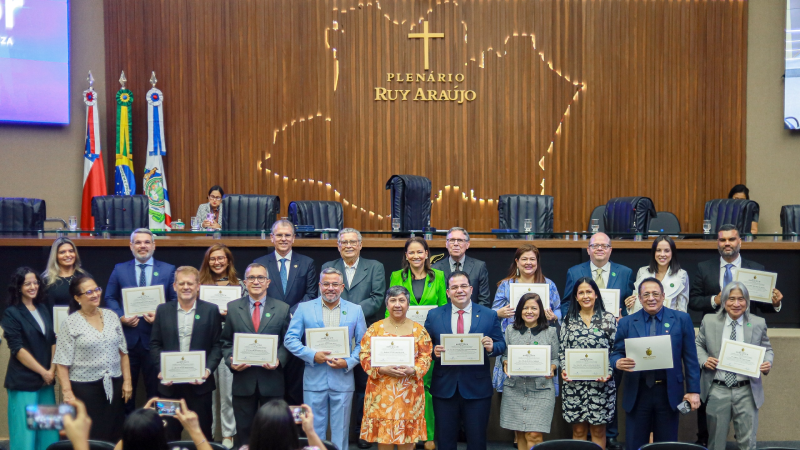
(364, 285)
(732, 396)
(457, 245)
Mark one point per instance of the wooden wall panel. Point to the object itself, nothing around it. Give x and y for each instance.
(582, 100)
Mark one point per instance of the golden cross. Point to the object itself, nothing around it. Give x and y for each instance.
(426, 36)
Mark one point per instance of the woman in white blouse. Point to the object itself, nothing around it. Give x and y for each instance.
(663, 266)
(92, 360)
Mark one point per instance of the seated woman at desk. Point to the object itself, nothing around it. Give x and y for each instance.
(209, 215)
(741, 192)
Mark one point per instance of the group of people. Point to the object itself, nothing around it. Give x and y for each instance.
(99, 353)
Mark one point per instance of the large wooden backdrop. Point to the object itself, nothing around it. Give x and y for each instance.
(580, 99)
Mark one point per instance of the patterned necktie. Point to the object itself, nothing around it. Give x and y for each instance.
(728, 277)
(458, 266)
(284, 275)
(650, 376)
(460, 323)
(730, 377)
(599, 279)
(142, 279)
(256, 315)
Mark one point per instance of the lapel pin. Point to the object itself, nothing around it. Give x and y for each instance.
(535, 343)
(295, 266)
(666, 325)
(672, 285)
(267, 315)
(197, 317)
(344, 313)
(155, 274)
(613, 274)
(477, 315)
(749, 324)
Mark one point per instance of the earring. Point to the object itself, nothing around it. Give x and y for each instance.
(517, 271)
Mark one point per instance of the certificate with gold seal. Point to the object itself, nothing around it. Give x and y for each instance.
(419, 313)
(517, 290)
(529, 360)
(586, 364)
(220, 295)
(60, 314)
(332, 339)
(759, 284)
(183, 367)
(255, 349)
(138, 301)
(462, 349)
(741, 358)
(392, 351)
(649, 353)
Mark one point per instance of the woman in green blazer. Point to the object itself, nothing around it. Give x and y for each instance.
(427, 286)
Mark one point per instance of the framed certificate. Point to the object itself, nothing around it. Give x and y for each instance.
(650, 353)
(759, 284)
(333, 339)
(741, 358)
(255, 349)
(60, 314)
(220, 295)
(611, 300)
(517, 290)
(462, 349)
(529, 360)
(419, 313)
(392, 351)
(183, 367)
(586, 364)
(141, 300)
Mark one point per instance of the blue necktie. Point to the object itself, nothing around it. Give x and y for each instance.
(728, 277)
(650, 377)
(284, 275)
(142, 279)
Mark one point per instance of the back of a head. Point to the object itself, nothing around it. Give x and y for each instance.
(274, 428)
(144, 430)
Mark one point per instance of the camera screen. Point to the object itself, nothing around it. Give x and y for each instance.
(47, 417)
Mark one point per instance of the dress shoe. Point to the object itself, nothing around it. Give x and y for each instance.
(227, 442)
(430, 445)
(613, 444)
(364, 444)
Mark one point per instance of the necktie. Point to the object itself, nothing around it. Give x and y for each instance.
(599, 279)
(728, 277)
(650, 377)
(460, 323)
(284, 275)
(256, 315)
(142, 279)
(458, 266)
(730, 377)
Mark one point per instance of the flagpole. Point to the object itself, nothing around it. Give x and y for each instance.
(155, 181)
(94, 173)
(124, 183)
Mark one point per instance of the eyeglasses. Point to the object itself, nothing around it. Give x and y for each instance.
(648, 295)
(348, 243)
(220, 259)
(333, 285)
(261, 279)
(462, 287)
(599, 246)
(457, 241)
(98, 290)
(214, 197)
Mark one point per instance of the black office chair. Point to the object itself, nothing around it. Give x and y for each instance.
(328, 444)
(411, 201)
(93, 445)
(568, 444)
(22, 214)
(629, 215)
(120, 212)
(243, 212)
(597, 213)
(790, 219)
(740, 213)
(672, 446)
(665, 223)
(319, 214)
(189, 445)
(514, 209)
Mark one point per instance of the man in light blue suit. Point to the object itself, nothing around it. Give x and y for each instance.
(328, 383)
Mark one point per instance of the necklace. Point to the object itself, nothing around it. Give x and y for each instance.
(396, 326)
(97, 312)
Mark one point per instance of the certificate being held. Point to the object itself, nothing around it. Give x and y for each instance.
(611, 300)
(255, 349)
(183, 367)
(138, 301)
(517, 290)
(392, 351)
(419, 313)
(758, 283)
(60, 314)
(649, 353)
(462, 349)
(741, 358)
(333, 339)
(220, 295)
(586, 364)
(529, 360)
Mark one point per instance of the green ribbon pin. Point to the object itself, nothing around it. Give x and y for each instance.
(344, 313)
(535, 343)
(666, 325)
(155, 274)
(672, 285)
(267, 315)
(749, 324)
(613, 274)
(197, 317)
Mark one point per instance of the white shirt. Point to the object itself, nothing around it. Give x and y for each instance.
(38, 318)
(288, 257)
(350, 271)
(185, 325)
(467, 318)
(605, 274)
(726, 335)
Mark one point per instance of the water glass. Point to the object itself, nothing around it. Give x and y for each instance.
(395, 224)
(528, 225)
(195, 225)
(595, 226)
(706, 227)
(73, 223)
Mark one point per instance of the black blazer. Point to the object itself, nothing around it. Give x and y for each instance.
(22, 331)
(275, 319)
(706, 285)
(205, 337)
(301, 284)
(478, 278)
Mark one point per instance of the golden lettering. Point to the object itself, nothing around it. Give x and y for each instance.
(390, 77)
(420, 95)
(432, 95)
(409, 77)
(420, 77)
(459, 75)
(405, 94)
(442, 77)
(380, 93)
(431, 78)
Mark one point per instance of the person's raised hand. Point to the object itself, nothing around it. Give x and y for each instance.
(77, 428)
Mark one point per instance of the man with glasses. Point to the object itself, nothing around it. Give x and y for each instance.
(607, 275)
(142, 271)
(457, 244)
(364, 285)
(294, 280)
(328, 383)
(259, 313)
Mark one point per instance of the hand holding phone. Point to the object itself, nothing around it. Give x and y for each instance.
(297, 413)
(166, 407)
(47, 417)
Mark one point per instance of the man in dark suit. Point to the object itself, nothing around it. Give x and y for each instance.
(197, 328)
(142, 271)
(254, 386)
(652, 397)
(293, 280)
(364, 285)
(705, 295)
(457, 244)
(463, 392)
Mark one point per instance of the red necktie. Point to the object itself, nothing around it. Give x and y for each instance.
(460, 323)
(256, 315)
